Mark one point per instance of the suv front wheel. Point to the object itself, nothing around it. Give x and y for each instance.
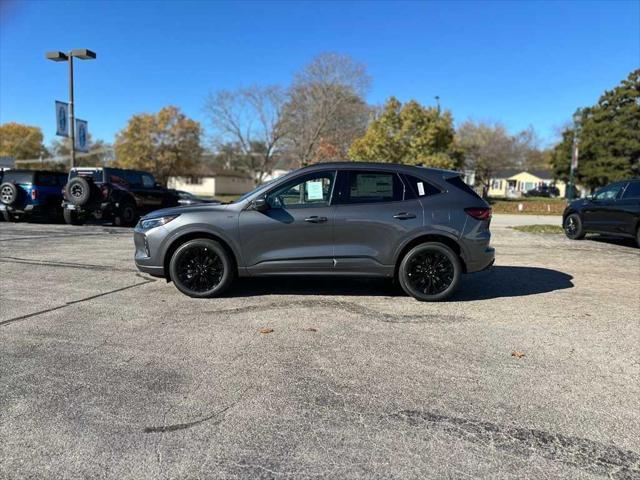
(201, 268)
(127, 215)
(430, 272)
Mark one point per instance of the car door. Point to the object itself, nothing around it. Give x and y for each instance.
(295, 234)
(373, 215)
(628, 208)
(599, 214)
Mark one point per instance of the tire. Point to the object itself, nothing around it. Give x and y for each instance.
(8, 193)
(127, 215)
(572, 227)
(9, 217)
(78, 191)
(214, 268)
(72, 218)
(430, 272)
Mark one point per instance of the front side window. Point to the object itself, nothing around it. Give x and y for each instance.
(372, 187)
(609, 193)
(632, 190)
(312, 190)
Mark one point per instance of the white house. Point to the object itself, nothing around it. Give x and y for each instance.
(212, 183)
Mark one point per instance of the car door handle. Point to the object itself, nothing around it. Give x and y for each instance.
(404, 215)
(316, 219)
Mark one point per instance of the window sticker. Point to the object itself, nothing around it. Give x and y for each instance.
(420, 189)
(314, 190)
(374, 185)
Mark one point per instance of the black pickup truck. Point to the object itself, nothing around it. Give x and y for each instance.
(114, 194)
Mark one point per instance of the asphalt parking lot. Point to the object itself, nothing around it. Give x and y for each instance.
(108, 373)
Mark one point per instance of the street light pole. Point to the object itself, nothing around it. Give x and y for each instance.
(72, 126)
(577, 118)
(83, 54)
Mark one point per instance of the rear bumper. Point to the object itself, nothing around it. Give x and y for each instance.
(28, 209)
(482, 260)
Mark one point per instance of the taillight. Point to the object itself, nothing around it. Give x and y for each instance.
(479, 213)
(34, 194)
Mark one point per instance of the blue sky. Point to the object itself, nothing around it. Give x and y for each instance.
(521, 63)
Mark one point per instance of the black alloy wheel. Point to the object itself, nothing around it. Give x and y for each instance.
(201, 268)
(430, 272)
(573, 227)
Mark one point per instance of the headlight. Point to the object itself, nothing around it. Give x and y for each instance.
(146, 224)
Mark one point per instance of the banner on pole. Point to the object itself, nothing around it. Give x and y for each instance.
(62, 119)
(574, 158)
(82, 135)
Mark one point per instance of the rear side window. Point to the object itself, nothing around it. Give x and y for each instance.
(18, 177)
(459, 183)
(46, 179)
(96, 175)
(632, 191)
(417, 188)
(363, 186)
(133, 178)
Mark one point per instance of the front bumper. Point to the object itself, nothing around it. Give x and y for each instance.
(147, 256)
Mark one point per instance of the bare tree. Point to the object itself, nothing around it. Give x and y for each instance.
(488, 149)
(326, 110)
(251, 120)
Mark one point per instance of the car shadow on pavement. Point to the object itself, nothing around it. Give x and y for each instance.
(499, 281)
(623, 242)
(509, 281)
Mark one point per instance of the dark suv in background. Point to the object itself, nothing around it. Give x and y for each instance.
(612, 210)
(423, 226)
(113, 193)
(30, 193)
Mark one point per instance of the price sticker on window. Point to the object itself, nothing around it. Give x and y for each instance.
(314, 191)
(420, 189)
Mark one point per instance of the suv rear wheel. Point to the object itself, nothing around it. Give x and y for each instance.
(127, 215)
(201, 268)
(430, 272)
(72, 217)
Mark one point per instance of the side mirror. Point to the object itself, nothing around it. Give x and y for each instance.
(260, 205)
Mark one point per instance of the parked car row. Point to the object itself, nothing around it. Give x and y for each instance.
(113, 194)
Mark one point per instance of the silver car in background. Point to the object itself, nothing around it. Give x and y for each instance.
(424, 227)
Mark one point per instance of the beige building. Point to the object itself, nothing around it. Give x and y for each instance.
(213, 183)
(514, 183)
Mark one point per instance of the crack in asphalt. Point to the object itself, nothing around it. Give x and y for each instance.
(349, 307)
(183, 426)
(74, 302)
(589, 455)
(50, 263)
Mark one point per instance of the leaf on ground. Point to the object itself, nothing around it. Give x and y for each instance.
(517, 354)
(266, 330)
(310, 329)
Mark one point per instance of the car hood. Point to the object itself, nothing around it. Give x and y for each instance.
(577, 204)
(197, 208)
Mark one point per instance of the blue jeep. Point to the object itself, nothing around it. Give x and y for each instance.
(27, 193)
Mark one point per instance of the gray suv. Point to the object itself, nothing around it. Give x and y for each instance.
(423, 226)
